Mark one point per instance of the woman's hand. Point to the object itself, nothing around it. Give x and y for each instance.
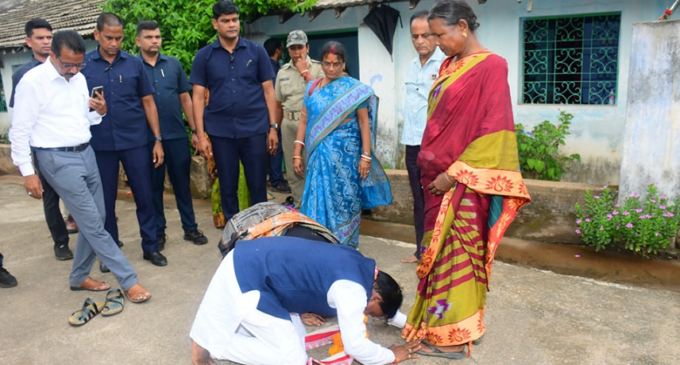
(364, 166)
(441, 184)
(298, 166)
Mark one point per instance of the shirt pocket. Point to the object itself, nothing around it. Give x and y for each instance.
(129, 85)
(291, 87)
(411, 88)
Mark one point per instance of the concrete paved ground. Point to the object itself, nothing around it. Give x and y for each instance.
(534, 316)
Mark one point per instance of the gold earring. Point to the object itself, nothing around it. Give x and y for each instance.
(464, 35)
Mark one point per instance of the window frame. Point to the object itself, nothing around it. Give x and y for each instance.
(550, 73)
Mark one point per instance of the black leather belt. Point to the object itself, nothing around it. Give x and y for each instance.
(77, 148)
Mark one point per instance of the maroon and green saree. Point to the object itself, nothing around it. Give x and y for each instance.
(470, 135)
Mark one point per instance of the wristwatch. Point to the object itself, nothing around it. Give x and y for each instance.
(275, 126)
(193, 131)
(159, 138)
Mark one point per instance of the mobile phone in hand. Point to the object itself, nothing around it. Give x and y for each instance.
(97, 90)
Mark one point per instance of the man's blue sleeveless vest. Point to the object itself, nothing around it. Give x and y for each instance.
(294, 274)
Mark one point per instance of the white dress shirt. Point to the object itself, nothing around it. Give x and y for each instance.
(49, 111)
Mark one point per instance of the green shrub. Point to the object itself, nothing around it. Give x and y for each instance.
(539, 155)
(643, 227)
(4, 136)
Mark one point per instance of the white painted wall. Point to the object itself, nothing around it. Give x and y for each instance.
(597, 131)
(651, 151)
(8, 61)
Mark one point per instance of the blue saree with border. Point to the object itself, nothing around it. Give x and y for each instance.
(334, 192)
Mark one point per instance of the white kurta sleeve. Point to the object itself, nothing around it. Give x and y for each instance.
(399, 320)
(350, 299)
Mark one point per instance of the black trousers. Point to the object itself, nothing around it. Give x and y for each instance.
(177, 161)
(53, 217)
(411, 160)
(252, 152)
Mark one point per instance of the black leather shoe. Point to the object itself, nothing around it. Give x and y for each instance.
(281, 187)
(196, 237)
(6, 279)
(103, 268)
(156, 258)
(161, 242)
(63, 253)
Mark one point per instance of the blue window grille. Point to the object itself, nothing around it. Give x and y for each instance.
(571, 59)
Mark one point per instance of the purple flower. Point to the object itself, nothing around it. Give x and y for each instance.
(578, 221)
(618, 226)
(638, 210)
(657, 234)
(662, 207)
(601, 228)
(629, 225)
(587, 219)
(625, 213)
(617, 205)
(656, 186)
(596, 197)
(578, 231)
(634, 195)
(616, 212)
(609, 216)
(662, 197)
(652, 200)
(643, 216)
(668, 215)
(649, 216)
(604, 186)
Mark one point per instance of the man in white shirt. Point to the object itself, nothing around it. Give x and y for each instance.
(421, 74)
(251, 311)
(52, 117)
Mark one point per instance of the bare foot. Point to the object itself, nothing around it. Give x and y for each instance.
(409, 260)
(430, 348)
(200, 356)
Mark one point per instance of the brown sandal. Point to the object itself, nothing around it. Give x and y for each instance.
(137, 294)
(92, 285)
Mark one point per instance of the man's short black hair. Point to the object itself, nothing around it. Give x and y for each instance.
(69, 39)
(112, 20)
(419, 15)
(146, 25)
(271, 45)
(224, 7)
(36, 23)
(390, 292)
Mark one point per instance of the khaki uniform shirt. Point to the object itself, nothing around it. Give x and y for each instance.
(290, 85)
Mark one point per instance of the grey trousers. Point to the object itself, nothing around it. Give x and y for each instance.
(296, 182)
(75, 177)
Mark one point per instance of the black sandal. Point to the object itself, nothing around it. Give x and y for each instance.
(114, 303)
(89, 310)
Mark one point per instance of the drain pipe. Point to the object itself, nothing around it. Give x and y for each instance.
(667, 14)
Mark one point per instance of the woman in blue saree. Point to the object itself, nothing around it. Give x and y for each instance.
(337, 130)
